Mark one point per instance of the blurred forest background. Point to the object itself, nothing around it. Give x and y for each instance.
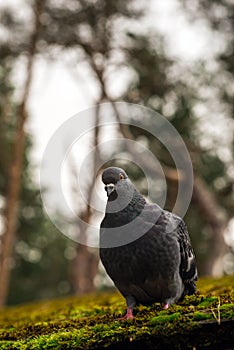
(117, 44)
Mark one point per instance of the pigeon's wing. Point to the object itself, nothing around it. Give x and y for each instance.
(168, 222)
(188, 269)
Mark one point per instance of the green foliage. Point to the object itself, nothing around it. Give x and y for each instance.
(91, 322)
(39, 267)
(88, 26)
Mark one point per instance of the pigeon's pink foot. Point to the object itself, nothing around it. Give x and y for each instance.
(166, 306)
(128, 316)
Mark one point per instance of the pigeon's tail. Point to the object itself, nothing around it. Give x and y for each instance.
(189, 289)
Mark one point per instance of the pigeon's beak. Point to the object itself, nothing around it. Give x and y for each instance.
(109, 189)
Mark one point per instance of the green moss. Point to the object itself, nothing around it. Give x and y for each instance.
(91, 322)
(199, 316)
(165, 318)
(215, 286)
(208, 302)
(227, 311)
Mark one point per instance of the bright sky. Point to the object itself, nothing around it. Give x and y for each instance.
(57, 95)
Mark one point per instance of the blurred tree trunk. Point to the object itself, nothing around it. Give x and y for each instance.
(84, 267)
(214, 217)
(84, 270)
(15, 168)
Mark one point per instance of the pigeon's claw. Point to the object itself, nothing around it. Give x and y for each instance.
(166, 306)
(128, 316)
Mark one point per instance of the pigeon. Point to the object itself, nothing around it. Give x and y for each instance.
(145, 250)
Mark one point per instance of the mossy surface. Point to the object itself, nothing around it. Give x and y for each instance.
(201, 321)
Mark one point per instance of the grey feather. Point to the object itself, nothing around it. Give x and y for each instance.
(145, 250)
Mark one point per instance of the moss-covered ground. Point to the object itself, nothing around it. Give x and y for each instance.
(201, 321)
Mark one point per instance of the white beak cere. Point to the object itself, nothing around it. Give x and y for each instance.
(109, 188)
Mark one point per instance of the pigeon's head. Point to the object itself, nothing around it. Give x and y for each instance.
(113, 179)
(119, 188)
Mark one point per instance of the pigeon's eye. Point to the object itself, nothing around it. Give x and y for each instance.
(121, 176)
